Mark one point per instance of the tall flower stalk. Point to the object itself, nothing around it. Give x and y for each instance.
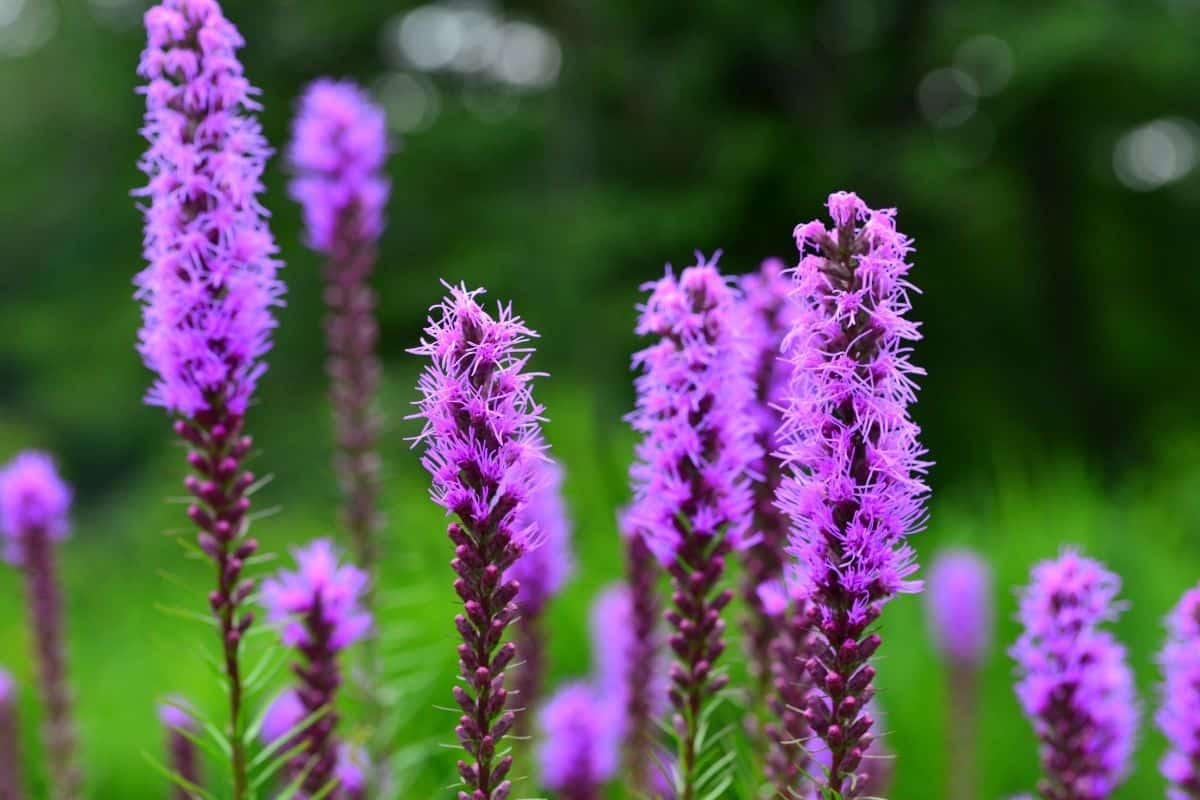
(1179, 716)
(11, 784)
(319, 606)
(769, 317)
(34, 503)
(692, 499)
(338, 149)
(959, 607)
(855, 490)
(1073, 680)
(207, 293)
(483, 443)
(183, 757)
(541, 573)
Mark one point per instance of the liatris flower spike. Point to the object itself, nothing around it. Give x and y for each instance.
(1179, 715)
(11, 786)
(579, 750)
(207, 291)
(183, 756)
(855, 490)
(338, 149)
(691, 495)
(34, 502)
(483, 444)
(959, 609)
(319, 607)
(541, 573)
(1073, 680)
(769, 316)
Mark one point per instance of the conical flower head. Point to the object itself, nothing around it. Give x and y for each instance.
(1073, 679)
(210, 280)
(319, 585)
(959, 604)
(481, 431)
(339, 145)
(692, 396)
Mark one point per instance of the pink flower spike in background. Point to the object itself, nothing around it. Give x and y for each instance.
(183, 755)
(34, 502)
(1179, 715)
(319, 606)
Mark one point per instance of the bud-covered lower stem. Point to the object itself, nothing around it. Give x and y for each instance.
(46, 621)
(788, 762)
(11, 786)
(220, 486)
(319, 679)
(640, 704)
(697, 641)
(481, 558)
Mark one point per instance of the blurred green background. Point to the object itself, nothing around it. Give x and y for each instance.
(1040, 153)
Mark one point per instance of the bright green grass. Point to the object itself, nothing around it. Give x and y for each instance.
(125, 653)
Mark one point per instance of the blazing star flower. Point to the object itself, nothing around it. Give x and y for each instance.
(579, 749)
(351, 772)
(1179, 715)
(854, 491)
(319, 605)
(318, 599)
(1073, 680)
(483, 446)
(540, 573)
(339, 145)
(691, 495)
(338, 149)
(183, 756)
(34, 502)
(208, 288)
(10, 757)
(959, 606)
(209, 284)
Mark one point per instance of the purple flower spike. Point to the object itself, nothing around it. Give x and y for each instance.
(855, 490)
(34, 502)
(579, 749)
(319, 606)
(483, 446)
(338, 149)
(959, 605)
(11, 786)
(184, 758)
(691, 496)
(208, 289)
(540, 573)
(1179, 716)
(1073, 680)
(339, 145)
(769, 314)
